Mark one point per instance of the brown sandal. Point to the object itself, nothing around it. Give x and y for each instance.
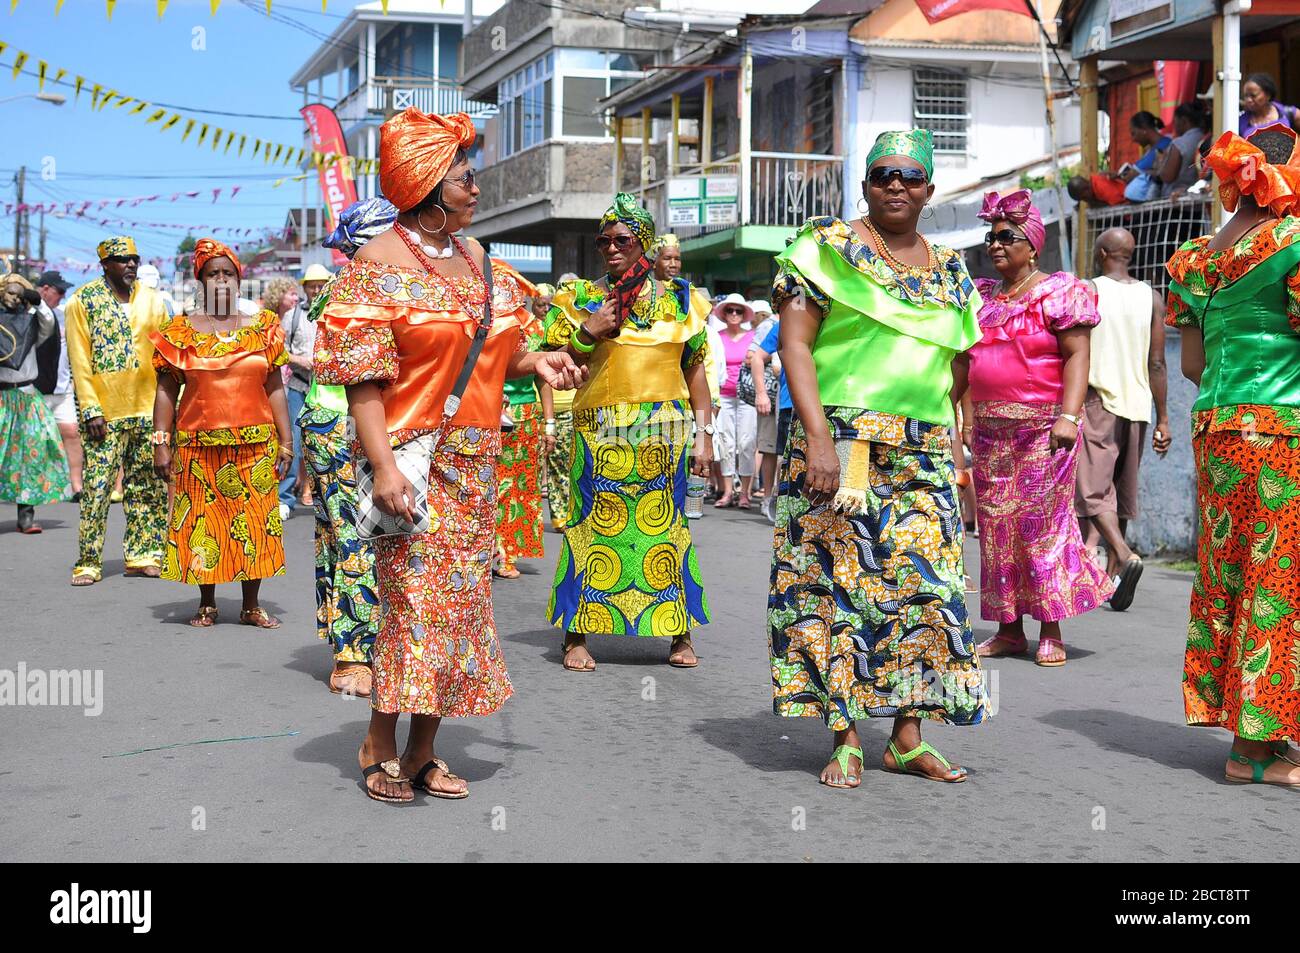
(206, 616)
(419, 783)
(356, 681)
(258, 617)
(83, 579)
(147, 572)
(675, 651)
(588, 666)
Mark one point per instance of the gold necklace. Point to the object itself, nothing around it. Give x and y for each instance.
(1018, 285)
(883, 249)
(224, 338)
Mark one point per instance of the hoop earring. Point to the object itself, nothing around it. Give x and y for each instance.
(861, 210)
(419, 220)
(925, 209)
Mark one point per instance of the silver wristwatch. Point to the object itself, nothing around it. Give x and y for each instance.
(1072, 419)
(707, 429)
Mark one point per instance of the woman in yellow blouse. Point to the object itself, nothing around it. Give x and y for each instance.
(628, 566)
(231, 437)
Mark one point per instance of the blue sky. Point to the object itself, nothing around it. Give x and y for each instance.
(244, 68)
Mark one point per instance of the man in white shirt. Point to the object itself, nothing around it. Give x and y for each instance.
(1126, 373)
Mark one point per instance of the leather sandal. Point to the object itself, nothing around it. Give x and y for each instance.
(988, 648)
(206, 616)
(258, 617)
(147, 572)
(842, 755)
(1044, 649)
(420, 781)
(83, 579)
(675, 651)
(356, 681)
(393, 768)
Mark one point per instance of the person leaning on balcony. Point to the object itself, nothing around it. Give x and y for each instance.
(396, 334)
(1179, 171)
(1260, 108)
(1235, 295)
(628, 566)
(866, 613)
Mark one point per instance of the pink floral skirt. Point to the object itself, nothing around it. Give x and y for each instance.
(1032, 558)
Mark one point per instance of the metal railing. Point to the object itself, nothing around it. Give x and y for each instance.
(1158, 228)
(384, 95)
(786, 189)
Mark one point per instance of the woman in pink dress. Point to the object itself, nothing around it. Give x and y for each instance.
(1028, 379)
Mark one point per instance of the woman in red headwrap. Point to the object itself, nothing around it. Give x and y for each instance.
(1028, 379)
(1235, 295)
(227, 445)
(397, 333)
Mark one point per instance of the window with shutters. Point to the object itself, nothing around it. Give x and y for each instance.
(941, 103)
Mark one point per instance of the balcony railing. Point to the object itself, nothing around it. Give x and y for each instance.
(786, 189)
(1158, 228)
(385, 95)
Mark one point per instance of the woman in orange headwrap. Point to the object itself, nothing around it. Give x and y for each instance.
(396, 333)
(1236, 297)
(230, 436)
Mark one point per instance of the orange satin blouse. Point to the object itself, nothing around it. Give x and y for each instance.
(411, 332)
(224, 390)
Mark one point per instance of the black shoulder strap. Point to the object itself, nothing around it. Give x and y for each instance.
(476, 346)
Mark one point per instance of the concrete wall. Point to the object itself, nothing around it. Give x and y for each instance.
(1166, 523)
(1006, 125)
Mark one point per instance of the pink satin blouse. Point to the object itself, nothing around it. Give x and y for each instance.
(1019, 358)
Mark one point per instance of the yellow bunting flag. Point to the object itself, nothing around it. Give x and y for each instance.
(172, 120)
(189, 127)
(13, 5)
(242, 140)
(162, 6)
(156, 116)
(216, 138)
(213, 6)
(60, 74)
(3, 47)
(257, 147)
(384, 4)
(278, 150)
(41, 67)
(19, 60)
(140, 107)
(203, 133)
(94, 95)
(230, 138)
(58, 5)
(104, 100)
(80, 81)
(110, 4)
(123, 100)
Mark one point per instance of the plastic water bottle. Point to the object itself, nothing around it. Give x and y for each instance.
(695, 489)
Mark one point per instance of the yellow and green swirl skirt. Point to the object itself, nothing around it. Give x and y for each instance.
(627, 566)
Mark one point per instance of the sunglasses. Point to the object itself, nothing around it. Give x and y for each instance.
(1004, 236)
(465, 181)
(882, 174)
(621, 242)
(124, 259)
(733, 310)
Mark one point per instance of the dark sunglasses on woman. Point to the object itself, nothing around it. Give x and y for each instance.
(882, 174)
(465, 181)
(621, 241)
(1004, 236)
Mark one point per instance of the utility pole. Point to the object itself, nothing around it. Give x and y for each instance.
(21, 179)
(40, 255)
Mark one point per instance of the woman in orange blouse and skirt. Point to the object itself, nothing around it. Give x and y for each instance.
(396, 333)
(231, 440)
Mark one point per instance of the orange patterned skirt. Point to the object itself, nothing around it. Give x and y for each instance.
(1242, 666)
(225, 515)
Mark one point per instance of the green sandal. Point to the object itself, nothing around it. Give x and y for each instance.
(842, 755)
(901, 762)
(1257, 769)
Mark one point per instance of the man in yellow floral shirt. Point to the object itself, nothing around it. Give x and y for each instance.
(109, 321)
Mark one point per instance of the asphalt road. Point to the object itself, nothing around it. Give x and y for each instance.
(636, 762)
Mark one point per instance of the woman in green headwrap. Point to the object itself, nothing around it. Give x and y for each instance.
(867, 613)
(627, 566)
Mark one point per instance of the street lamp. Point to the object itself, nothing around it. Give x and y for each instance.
(54, 99)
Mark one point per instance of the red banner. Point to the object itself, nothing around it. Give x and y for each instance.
(1177, 82)
(936, 10)
(336, 183)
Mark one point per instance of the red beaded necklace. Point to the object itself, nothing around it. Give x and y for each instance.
(432, 269)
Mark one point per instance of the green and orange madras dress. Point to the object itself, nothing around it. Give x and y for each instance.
(225, 518)
(1241, 670)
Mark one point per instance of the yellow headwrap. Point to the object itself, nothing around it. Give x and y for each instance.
(119, 246)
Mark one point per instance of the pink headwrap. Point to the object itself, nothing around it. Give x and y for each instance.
(1018, 209)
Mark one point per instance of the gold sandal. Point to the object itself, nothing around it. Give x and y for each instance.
(419, 783)
(205, 617)
(258, 617)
